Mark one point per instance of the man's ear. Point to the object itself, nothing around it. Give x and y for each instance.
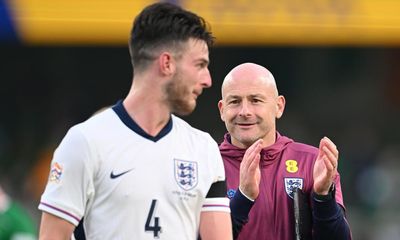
(280, 106)
(221, 110)
(167, 63)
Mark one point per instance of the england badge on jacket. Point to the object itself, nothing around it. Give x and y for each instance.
(291, 184)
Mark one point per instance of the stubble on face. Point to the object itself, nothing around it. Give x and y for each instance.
(188, 81)
(246, 136)
(178, 96)
(248, 82)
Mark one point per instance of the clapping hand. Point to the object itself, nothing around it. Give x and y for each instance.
(325, 167)
(250, 170)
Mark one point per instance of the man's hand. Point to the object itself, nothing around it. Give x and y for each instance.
(325, 167)
(250, 171)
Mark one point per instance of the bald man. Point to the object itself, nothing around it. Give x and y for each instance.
(263, 167)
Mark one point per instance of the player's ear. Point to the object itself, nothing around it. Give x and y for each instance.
(221, 110)
(167, 63)
(280, 106)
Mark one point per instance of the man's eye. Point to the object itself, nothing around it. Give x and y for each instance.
(202, 65)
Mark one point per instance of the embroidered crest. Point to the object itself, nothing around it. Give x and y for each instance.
(230, 193)
(186, 174)
(55, 172)
(291, 184)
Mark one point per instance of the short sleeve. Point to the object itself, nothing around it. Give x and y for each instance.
(70, 183)
(216, 199)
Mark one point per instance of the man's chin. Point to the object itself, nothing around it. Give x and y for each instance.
(184, 110)
(246, 140)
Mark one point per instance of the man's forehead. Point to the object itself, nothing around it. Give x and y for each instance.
(249, 79)
(197, 44)
(246, 83)
(251, 88)
(245, 92)
(198, 49)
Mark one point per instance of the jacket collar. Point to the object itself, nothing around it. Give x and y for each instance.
(268, 154)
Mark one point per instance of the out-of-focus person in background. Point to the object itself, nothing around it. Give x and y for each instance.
(15, 221)
(263, 168)
(135, 170)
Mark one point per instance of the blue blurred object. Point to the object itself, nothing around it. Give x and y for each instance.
(7, 29)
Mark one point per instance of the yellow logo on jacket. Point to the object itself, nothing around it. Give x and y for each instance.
(291, 166)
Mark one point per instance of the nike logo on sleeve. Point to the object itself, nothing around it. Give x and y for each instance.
(113, 175)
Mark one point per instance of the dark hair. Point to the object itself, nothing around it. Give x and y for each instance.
(164, 25)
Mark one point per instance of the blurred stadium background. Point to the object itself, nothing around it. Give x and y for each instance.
(336, 61)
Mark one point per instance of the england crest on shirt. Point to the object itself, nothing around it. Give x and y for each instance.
(186, 174)
(291, 184)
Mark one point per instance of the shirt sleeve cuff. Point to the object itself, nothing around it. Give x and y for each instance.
(240, 204)
(325, 209)
(245, 195)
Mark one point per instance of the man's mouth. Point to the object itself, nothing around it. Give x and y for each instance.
(197, 93)
(245, 124)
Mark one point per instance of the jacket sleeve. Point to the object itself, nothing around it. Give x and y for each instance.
(240, 207)
(329, 220)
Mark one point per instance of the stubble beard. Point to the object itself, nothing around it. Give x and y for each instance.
(245, 140)
(178, 97)
(248, 137)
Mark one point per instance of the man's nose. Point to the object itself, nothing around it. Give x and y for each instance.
(206, 80)
(245, 109)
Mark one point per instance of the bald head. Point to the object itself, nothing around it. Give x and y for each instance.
(247, 73)
(250, 105)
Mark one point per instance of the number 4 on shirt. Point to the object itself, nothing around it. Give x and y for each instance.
(156, 228)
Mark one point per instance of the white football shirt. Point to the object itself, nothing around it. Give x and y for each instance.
(129, 185)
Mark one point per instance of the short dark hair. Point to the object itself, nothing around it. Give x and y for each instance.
(164, 25)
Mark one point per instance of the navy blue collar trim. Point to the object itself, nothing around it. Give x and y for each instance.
(120, 110)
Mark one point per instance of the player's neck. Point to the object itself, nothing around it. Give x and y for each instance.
(269, 139)
(147, 110)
